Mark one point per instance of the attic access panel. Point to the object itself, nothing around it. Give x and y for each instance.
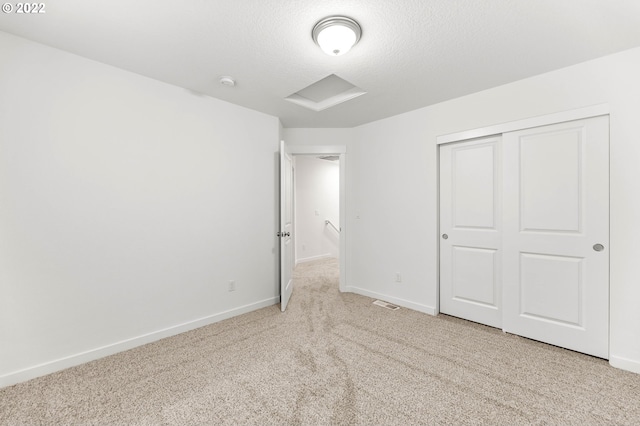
(326, 93)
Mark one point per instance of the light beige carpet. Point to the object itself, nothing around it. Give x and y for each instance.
(333, 359)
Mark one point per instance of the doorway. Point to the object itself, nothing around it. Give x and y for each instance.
(316, 207)
(339, 151)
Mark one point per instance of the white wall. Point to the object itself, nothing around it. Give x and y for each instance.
(319, 136)
(317, 192)
(392, 193)
(126, 205)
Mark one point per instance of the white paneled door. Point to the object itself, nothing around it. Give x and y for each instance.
(470, 225)
(526, 222)
(286, 226)
(556, 234)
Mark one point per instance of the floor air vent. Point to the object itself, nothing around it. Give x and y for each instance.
(386, 305)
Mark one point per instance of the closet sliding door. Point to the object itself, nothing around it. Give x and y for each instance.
(524, 223)
(556, 234)
(470, 225)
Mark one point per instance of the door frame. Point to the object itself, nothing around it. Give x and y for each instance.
(341, 152)
(499, 129)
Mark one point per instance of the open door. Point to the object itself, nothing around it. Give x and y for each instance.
(286, 226)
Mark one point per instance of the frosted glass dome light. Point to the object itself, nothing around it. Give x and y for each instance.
(336, 35)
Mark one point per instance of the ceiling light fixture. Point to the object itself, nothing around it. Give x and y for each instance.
(336, 35)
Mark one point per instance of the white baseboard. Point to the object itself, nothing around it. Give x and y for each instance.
(312, 258)
(396, 301)
(625, 364)
(101, 352)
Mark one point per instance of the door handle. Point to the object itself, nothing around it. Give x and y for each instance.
(598, 247)
(445, 236)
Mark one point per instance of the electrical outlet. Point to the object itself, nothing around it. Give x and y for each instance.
(398, 277)
(232, 285)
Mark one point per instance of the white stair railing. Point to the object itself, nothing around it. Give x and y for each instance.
(328, 222)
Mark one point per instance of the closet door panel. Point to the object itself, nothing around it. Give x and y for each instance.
(470, 220)
(556, 219)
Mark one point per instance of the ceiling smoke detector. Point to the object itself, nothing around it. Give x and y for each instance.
(227, 81)
(336, 35)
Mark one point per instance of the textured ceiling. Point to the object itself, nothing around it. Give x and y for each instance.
(413, 53)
